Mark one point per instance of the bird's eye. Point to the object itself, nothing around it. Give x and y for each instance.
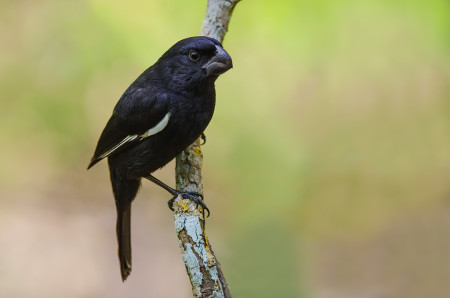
(193, 55)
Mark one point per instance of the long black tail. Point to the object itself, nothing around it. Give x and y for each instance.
(124, 192)
(124, 240)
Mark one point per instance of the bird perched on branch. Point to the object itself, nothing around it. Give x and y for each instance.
(163, 112)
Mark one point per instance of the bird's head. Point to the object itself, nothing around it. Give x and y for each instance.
(193, 61)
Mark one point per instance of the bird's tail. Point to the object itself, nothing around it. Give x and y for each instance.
(124, 240)
(124, 192)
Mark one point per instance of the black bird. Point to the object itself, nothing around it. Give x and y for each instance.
(163, 111)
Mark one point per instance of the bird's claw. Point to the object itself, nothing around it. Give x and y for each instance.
(202, 139)
(195, 197)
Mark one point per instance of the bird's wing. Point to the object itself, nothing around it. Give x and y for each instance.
(138, 115)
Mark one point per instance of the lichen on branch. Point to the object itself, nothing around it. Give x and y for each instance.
(204, 270)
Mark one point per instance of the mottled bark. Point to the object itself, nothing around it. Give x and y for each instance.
(204, 270)
(218, 14)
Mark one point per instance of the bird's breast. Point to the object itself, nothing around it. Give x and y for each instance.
(194, 111)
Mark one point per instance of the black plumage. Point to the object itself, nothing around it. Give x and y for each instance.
(162, 112)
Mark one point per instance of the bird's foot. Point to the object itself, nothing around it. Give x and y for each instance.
(192, 196)
(202, 139)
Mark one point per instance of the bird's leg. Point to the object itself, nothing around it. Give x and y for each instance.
(193, 196)
(203, 139)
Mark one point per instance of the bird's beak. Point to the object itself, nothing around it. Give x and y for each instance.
(218, 64)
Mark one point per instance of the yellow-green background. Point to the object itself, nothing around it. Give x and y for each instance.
(326, 163)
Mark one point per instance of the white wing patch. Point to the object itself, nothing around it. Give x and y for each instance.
(157, 128)
(126, 140)
(152, 131)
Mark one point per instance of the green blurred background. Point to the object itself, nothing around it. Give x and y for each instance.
(326, 167)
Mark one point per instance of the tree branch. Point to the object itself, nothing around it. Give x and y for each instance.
(204, 270)
(218, 14)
